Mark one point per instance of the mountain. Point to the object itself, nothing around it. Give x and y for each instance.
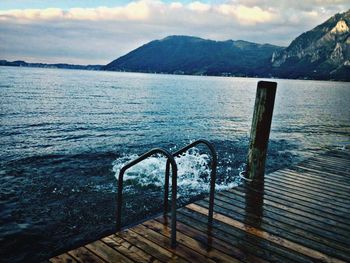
(193, 55)
(321, 53)
(21, 63)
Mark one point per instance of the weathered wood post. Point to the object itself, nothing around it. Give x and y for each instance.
(260, 130)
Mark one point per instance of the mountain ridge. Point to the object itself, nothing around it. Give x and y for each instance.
(180, 54)
(321, 53)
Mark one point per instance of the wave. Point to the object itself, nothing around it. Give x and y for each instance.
(193, 173)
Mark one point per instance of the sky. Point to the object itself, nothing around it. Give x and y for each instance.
(97, 32)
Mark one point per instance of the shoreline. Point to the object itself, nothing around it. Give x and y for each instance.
(171, 74)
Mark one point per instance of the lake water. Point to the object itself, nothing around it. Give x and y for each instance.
(65, 133)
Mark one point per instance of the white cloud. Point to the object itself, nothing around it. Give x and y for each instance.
(176, 5)
(199, 7)
(248, 15)
(99, 35)
(32, 14)
(134, 11)
(243, 12)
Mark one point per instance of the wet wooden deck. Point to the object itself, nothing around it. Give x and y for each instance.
(299, 214)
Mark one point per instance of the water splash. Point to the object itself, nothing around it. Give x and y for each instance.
(193, 173)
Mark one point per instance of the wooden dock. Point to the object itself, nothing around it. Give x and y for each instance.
(298, 214)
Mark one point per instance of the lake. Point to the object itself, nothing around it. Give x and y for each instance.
(66, 133)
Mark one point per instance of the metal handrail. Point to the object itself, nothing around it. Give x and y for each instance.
(170, 160)
(212, 176)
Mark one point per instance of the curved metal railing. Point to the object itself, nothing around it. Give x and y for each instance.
(170, 160)
(212, 176)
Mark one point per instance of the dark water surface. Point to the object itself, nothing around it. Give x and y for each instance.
(65, 133)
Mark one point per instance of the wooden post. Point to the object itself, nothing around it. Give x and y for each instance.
(260, 130)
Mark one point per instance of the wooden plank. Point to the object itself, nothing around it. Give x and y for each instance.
(127, 249)
(316, 169)
(329, 161)
(265, 235)
(317, 187)
(321, 174)
(334, 171)
(208, 252)
(332, 168)
(134, 250)
(312, 170)
(107, 253)
(323, 225)
(283, 180)
(330, 158)
(315, 179)
(273, 225)
(330, 212)
(343, 154)
(149, 247)
(336, 153)
(323, 197)
(310, 198)
(164, 242)
(302, 168)
(285, 200)
(294, 187)
(63, 258)
(211, 241)
(317, 227)
(82, 254)
(242, 240)
(291, 229)
(313, 183)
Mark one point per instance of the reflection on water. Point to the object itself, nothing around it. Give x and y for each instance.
(63, 131)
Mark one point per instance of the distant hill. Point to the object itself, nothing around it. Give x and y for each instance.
(20, 63)
(321, 53)
(193, 55)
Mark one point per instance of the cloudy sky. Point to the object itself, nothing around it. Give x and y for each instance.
(96, 32)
